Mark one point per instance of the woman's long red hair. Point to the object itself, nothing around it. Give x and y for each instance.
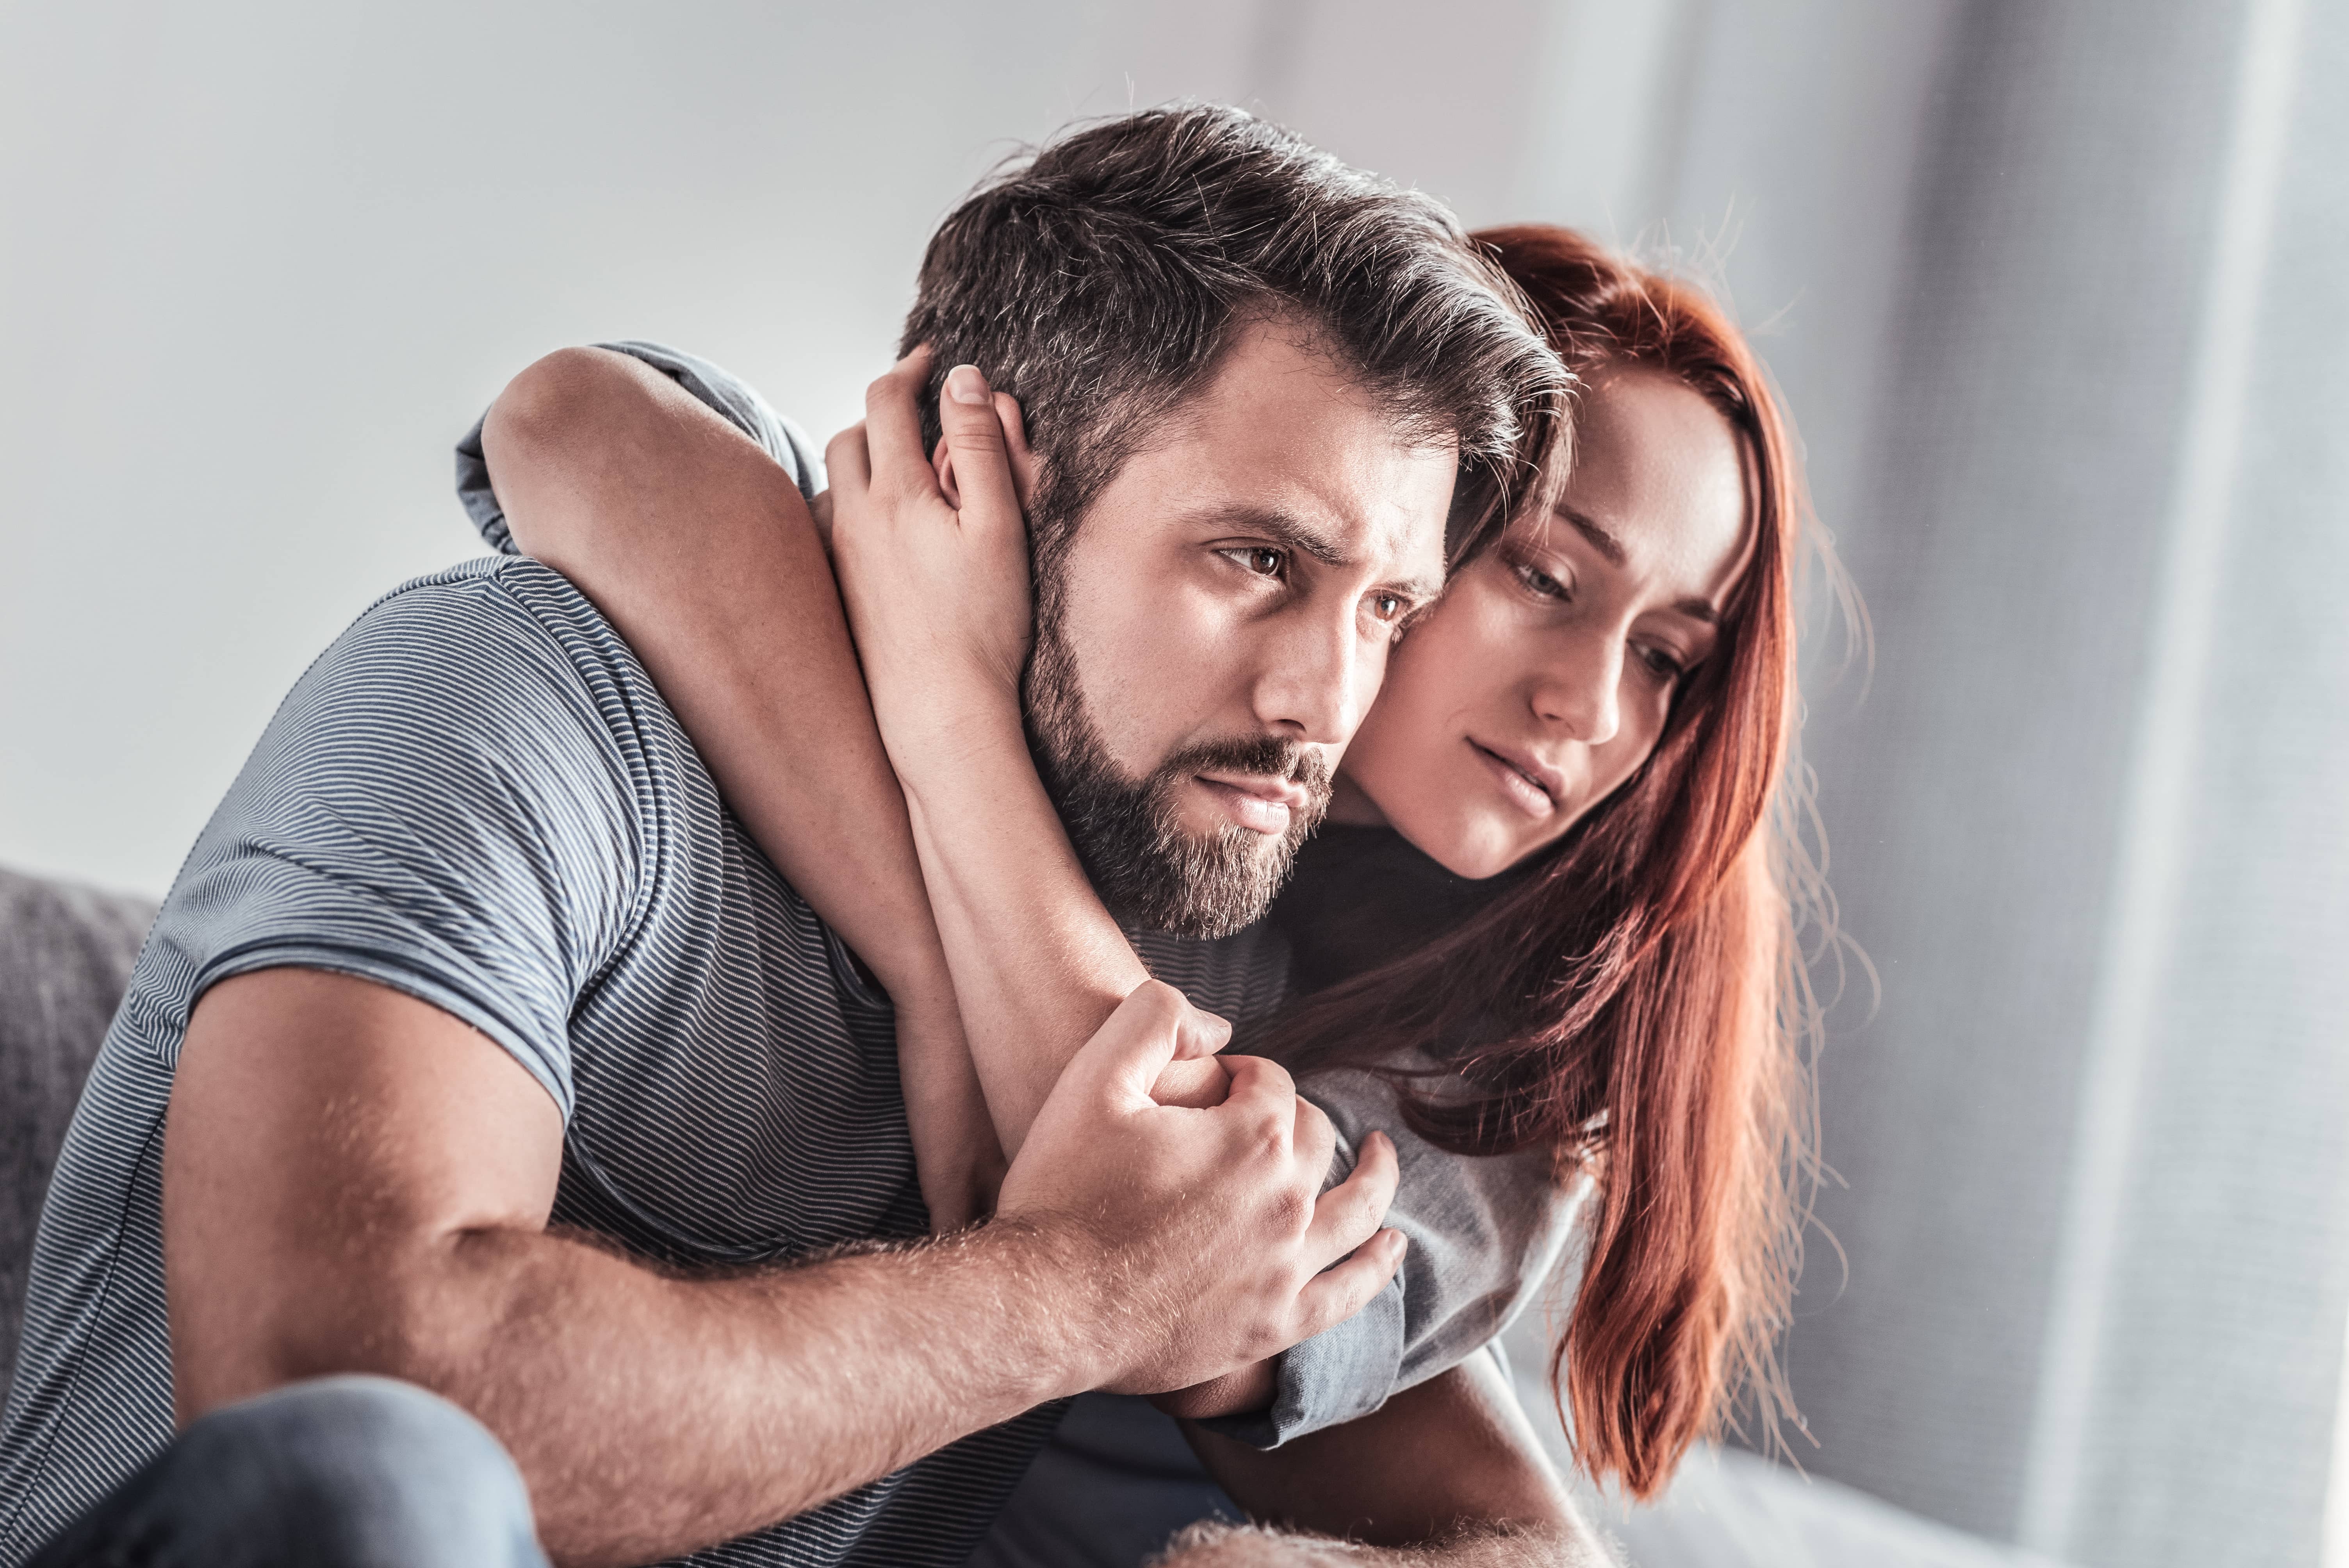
(1639, 1006)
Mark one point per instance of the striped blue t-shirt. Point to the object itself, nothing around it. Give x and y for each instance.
(476, 796)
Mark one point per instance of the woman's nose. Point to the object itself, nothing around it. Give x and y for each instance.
(1576, 691)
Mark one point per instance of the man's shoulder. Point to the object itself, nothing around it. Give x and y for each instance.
(479, 716)
(481, 646)
(514, 591)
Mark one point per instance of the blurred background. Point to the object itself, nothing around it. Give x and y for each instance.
(2056, 289)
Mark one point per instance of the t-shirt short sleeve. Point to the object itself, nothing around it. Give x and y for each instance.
(733, 397)
(454, 801)
(1483, 1234)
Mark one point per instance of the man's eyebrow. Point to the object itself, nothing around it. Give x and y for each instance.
(1287, 528)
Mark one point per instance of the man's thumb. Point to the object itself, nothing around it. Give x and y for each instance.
(1127, 1053)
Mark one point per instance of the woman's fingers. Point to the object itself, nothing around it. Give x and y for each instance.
(1015, 441)
(1127, 1053)
(1202, 1034)
(977, 446)
(847, 461)
(892, 424)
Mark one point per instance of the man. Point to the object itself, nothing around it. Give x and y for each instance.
(497, 1062)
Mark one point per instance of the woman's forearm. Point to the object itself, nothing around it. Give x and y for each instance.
(1038, 962)
(701, 551)
(933, 553)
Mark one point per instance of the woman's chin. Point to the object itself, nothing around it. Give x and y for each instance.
(1470, 850)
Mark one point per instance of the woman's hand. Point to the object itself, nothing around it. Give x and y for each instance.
(932, 556)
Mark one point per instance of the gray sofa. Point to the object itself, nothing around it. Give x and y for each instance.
(66, 953)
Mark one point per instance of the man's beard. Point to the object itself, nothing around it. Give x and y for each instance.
(1129, 833)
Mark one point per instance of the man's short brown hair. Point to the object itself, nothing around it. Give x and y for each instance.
(1099, 282)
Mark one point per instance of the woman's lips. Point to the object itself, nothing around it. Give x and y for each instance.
(1525, 791)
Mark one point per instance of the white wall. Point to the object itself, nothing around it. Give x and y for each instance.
(263, 261)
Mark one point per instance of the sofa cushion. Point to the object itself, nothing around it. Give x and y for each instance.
(66, 953)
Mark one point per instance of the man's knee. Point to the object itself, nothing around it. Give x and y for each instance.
(360, 1470)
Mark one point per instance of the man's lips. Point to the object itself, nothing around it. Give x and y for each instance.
(1258, 801)
(1533, 786)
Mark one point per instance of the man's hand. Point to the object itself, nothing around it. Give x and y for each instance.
(1204, 1232)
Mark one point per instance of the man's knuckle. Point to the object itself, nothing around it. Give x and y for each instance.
(1291, 1211)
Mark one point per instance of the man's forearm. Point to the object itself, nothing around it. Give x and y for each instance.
(357, 1181)
(652, 1415)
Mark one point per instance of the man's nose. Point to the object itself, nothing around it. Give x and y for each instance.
(1316, 680)
(1576, 691)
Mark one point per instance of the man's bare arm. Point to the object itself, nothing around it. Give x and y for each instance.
(357, 1181)
(1447, 1474)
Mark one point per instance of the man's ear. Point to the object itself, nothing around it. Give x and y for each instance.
(942, 460)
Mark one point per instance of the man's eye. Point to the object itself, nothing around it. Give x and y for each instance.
(1259, 560)
(1387, 607)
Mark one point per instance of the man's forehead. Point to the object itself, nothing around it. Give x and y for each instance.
(1285, 441)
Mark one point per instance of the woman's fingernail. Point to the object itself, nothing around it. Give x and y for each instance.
(966, 384)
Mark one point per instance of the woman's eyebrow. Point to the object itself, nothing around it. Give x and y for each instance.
(1606, 543)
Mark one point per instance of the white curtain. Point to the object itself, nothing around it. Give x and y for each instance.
(2060, 294)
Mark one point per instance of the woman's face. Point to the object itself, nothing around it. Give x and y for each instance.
(1541, 680)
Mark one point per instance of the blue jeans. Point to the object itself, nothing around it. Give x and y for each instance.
(343, 1472)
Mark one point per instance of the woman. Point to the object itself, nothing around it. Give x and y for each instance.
(1552, 920)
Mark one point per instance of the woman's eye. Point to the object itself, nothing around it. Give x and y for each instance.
(1539, 582)
(1662, 663)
